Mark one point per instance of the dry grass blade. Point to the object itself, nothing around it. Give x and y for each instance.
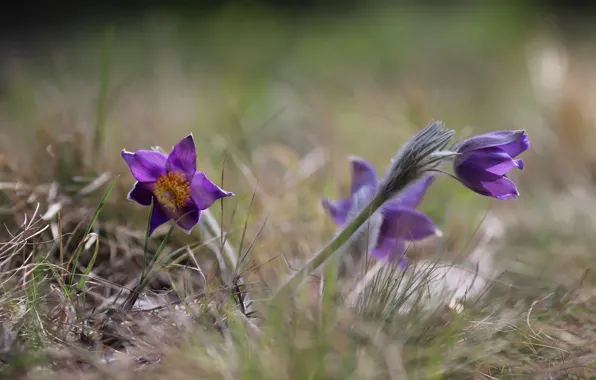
(344, 89)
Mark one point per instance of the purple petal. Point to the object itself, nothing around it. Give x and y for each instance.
(412, 195)
(486, 183)
(405, 223)
(204, 192)
(363, 174)
(503, 188)
(385, 249)
(187, 218)
(183, 157)
(338, 209)
(158, 217)
(390, 249)
(142, 192)
(512, 140)
(492, 160)
(145, 165)
(518, 146)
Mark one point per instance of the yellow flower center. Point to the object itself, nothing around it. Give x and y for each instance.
(172, 190)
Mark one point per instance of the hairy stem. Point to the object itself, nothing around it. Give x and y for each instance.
(331, 248)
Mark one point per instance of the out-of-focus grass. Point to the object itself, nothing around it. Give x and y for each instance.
(285, 101)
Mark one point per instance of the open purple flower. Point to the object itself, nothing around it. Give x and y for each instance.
(483, 162)
(178, 191)
(400, 221)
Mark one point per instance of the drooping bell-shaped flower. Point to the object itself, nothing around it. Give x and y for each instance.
(400, 222)
(484, 160)
(178, 190)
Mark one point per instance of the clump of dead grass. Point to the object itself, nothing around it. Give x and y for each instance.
(191, 319)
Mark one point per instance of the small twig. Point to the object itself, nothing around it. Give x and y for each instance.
(530, 312)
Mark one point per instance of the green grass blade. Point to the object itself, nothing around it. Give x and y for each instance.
(144, 280)
(162, 246)
(89, 227)
(329, 291)
(83, 280)
(151, 266)
(59, 279)
(146, 247)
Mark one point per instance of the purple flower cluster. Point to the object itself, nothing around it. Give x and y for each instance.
(179, 192)
(481, 164)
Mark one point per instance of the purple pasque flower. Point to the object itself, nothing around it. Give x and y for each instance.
(178, 190)
(484, 160)
(399, 220)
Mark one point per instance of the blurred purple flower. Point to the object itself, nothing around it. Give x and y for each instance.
(399, 222)
(483, 162)
(178, 190)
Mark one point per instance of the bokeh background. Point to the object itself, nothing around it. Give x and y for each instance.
(279, 95)
(287, 91)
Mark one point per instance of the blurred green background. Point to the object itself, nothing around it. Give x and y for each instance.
(278, 96)
(287, 95)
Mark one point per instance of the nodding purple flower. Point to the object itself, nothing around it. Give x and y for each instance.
(178, 191)
(484, 160)
(398, 220)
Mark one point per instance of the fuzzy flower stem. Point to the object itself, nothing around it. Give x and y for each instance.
(420, 154)
(331, 248)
